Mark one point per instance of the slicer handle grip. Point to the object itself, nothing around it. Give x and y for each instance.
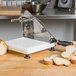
(64, 43)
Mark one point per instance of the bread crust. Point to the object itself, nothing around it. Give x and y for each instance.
(67, 65)
(1, 41)
(48, 62)
(73, 61)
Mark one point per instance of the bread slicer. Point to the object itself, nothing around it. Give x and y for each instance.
(35, 36)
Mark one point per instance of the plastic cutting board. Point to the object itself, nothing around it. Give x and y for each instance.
(28, 46)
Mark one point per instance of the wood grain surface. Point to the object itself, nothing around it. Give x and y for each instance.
(14, 64)
(10, 11)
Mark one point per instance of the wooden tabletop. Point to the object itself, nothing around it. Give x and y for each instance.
(10, 11)
(14, 64)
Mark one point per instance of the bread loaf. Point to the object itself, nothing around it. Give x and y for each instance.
(60, 47)
(61, 61)
(3, 47)
(63, 48)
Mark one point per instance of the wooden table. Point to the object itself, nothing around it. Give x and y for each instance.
(10, 11)
(14, 64)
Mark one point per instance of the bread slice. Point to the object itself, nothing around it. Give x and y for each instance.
(66, 55)
(3, 47)
(48, 61)
(70, 51)
(52, 56)
(73, 60)
(61, 61)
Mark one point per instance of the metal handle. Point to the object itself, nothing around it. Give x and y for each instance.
(21, 19)
(18, 19)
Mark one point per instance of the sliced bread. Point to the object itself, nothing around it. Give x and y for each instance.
(66, 55)
(3, 47)
(70, 51)
(48, 61)
(61, 61)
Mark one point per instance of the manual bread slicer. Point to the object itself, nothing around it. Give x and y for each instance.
(35, 36)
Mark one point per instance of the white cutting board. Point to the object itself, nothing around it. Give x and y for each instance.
(27, 46)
